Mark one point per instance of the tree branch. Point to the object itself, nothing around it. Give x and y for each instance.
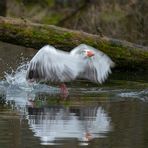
(126, 55)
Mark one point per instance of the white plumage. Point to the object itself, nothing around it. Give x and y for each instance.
(54, 65)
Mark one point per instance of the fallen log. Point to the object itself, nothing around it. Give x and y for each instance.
(126, 55)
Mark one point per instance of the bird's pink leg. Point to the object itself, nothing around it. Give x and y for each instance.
(64, 91)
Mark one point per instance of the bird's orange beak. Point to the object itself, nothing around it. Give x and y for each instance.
(90, 53)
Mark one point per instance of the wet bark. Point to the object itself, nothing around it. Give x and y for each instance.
(126, 55)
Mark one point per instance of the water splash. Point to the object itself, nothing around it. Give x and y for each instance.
(16, 83)
(19, 76)
(141, 95)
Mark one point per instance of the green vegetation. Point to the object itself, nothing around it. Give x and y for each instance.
(23, 32)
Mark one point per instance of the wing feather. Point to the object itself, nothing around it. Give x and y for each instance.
(53, 65)
(96, 68)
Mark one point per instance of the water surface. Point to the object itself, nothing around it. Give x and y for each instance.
(113, 115)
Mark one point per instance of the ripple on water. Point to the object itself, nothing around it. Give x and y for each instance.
(34, 109)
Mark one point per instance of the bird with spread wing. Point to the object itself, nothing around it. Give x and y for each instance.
(56, 66)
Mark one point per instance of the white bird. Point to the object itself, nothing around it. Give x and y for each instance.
(86, 62)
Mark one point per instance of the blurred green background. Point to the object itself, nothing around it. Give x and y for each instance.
(121, 19)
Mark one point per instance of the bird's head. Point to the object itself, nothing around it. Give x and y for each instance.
(89, 53)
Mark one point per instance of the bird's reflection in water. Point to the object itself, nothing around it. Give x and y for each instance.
(57, 122)
(53, 122)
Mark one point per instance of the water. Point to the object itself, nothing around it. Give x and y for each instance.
(113, 115)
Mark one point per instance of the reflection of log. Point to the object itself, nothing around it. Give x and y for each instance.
(124, 54)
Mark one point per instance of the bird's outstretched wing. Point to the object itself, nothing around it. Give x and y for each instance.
(96, 67)
(53, 65)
